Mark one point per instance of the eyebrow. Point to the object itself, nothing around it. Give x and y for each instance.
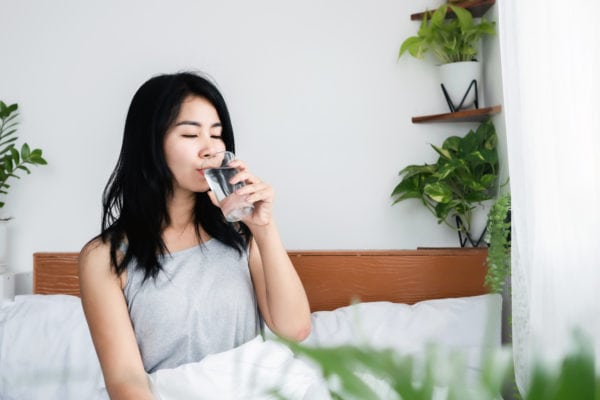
(194, 123)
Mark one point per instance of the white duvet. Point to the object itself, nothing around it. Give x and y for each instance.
(255, 370)
(46, 350)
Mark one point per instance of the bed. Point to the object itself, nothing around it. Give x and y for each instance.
(400, 299)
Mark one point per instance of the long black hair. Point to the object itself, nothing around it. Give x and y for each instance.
(135, 197)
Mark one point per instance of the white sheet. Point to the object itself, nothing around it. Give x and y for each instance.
(46, 351)
(252, 371)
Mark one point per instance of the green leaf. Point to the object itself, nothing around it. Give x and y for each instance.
(5, 110)
(488, 180)
(406, 196)
(406, 185)
(422, 170)
(414, 45)
(35, 157)
(7, 144)
(24, 168)
(10, 118)
(15, 155)
(452, 144)
(8, 132)
(463, 16)
(447, 169)
(8, 163)
(439, 15)
(442, 210)
(442, 152)
(438, 192)
(25, 151)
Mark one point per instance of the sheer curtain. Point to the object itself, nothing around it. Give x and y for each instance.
(550, 55)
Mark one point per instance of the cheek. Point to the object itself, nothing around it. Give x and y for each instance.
(178, 156)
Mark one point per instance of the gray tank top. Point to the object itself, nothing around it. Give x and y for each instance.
(202, 303)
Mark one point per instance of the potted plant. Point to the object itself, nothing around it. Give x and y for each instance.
(498, 237)
(464, 176)
(12, 162)
(454, 41)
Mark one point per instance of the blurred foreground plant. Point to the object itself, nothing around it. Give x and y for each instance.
(353, 372)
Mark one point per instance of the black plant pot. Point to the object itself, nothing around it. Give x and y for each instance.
(465, 237)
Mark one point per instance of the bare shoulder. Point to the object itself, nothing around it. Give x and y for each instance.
(94, 263)
(93, 255)
(93, 249)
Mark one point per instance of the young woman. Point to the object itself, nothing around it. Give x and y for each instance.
(168, 280)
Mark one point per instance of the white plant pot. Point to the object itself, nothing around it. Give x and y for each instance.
(3, 245)
(479, 218)
(457, 77)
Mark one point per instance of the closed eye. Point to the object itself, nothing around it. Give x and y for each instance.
(189, 136)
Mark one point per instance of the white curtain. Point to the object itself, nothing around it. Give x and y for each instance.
(550, 53)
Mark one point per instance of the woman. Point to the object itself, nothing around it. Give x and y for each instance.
(168, 280)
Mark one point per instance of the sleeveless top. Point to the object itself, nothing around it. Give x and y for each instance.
(201, 303)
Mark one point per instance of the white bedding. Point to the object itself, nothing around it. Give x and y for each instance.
(46, 350)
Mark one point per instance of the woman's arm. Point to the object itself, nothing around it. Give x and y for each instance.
(108, 319)
(281, 296)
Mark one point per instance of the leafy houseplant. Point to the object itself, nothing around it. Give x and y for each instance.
(465, 174)
(13, 161)
(498, 237)
(454, 41)
(450, 39)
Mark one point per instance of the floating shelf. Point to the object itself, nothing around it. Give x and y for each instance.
(474, 115)
(477, 8)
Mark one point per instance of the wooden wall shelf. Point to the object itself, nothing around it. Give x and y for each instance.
(477, 8)
(474, 115)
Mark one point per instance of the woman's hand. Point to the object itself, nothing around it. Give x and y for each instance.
(259, 193)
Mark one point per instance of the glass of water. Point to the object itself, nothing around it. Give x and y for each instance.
(218, 174)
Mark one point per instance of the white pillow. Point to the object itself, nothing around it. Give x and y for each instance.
(470, 326)
(456, 322)
(46, 351)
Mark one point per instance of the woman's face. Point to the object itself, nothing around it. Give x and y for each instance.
(195, 135)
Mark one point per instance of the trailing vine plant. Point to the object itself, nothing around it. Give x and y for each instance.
(498, 237)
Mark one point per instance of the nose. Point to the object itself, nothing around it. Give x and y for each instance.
(206, 153)
(210, 149)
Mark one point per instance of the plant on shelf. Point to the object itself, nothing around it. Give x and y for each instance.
(454, 41)
(450, 39)
(13, 161)
(465, 175)
(498, 237)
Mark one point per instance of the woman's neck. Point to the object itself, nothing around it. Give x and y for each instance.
(181, 210)
(181, 233)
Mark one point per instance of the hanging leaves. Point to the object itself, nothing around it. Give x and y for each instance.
(12, 160)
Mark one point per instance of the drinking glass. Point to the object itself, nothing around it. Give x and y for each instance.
(218, 174)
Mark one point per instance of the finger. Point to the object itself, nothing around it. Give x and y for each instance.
(264, 195)
(237, 164)
(252, 188)
(244, 176)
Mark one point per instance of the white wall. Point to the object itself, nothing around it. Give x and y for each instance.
(321, 108)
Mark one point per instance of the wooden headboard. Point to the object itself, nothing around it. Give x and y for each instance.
(334, 279)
